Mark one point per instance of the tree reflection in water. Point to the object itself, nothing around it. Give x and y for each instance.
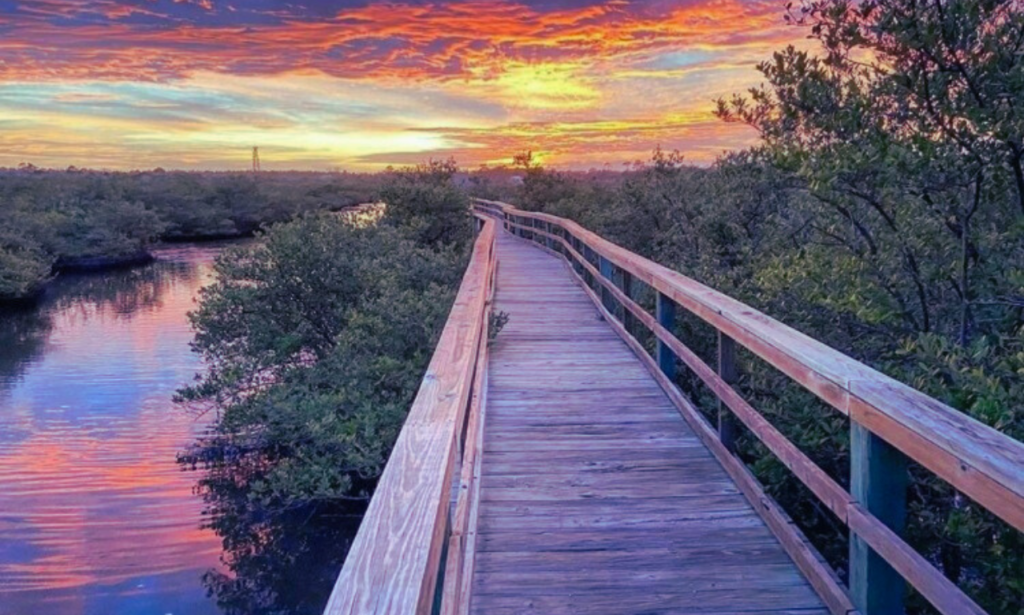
(277, 560)
(117, 294)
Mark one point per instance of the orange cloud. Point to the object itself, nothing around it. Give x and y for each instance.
(392, 40)
(360, 85)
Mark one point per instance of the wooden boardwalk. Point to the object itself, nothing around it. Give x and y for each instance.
(560, 470)
(595, 495)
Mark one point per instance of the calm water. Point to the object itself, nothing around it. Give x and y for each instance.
(96, 516)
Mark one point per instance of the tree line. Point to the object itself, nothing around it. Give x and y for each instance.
(53, 221)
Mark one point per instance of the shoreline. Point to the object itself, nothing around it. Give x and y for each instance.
(94, 265)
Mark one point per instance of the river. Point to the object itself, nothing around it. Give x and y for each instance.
(96, 516)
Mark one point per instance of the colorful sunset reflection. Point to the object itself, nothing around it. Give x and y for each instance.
(96, 516)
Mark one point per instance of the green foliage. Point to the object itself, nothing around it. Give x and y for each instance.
(316, 338)
(425, 200)
(24, 265)
(78, 219)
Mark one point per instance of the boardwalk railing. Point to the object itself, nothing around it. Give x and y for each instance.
(890, 421)
(411, 549)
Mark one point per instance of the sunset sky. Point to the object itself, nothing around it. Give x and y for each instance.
(320, 84)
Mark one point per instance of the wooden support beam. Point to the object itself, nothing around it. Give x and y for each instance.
(727, 371)
(628, 320)
(607, 271)
(665, 312)
(878, 481)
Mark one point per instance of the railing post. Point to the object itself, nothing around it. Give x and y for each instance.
(628, 320)
(665, 311)
(578, 266)
(878, 481)
(607, 272)
(727, 371)
(589, 255)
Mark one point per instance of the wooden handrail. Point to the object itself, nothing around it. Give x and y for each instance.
(981, 462)
(398, 553)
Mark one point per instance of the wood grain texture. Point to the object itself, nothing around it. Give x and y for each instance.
(942, 593)
(595, 495)
(976, 459)
(394, 561)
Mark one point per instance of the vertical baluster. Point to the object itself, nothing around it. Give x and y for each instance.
(590, 256)
(878, 480)
(578, 264)
(665, 311)
(608, 273)
(628, 320)
(727, 370)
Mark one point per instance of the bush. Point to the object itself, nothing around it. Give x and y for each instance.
(316, 339)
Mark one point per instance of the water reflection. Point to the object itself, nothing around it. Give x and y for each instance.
(279, 561)
(95, 515)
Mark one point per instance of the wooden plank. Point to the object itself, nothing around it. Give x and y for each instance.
(584, 454)
(655, 558)
(795, 600)
(976, 459)
(644, 579)
(929, 581)
(727, 372)
(878, 481)
(943, 594)
(936, 588)
(459, 566)
(810, 562)
(665, 312)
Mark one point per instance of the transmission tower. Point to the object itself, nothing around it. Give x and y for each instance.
(255, 160)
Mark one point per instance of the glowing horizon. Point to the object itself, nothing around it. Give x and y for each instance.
(195, 84)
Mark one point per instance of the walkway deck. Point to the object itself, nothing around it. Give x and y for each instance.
(595, 495)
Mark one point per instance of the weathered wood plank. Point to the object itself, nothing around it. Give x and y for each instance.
(394, 561)
(591, 480)
(924, 430)
(795, 600)
(978, 460)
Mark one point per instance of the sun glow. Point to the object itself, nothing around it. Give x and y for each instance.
(195, 85)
